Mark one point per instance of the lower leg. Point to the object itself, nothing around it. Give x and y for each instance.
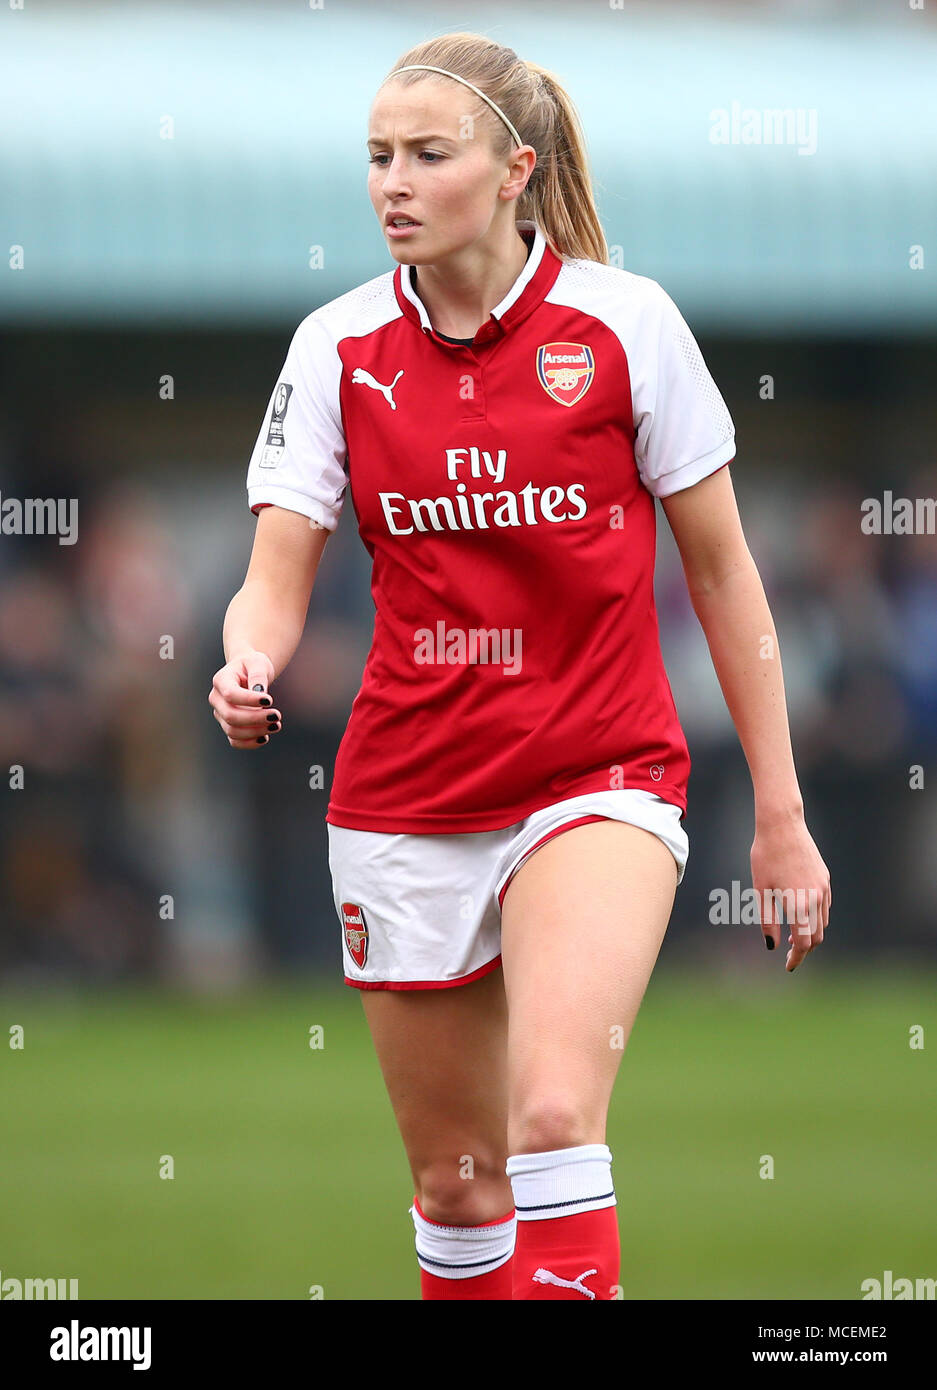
(572, 1003)
(443, 1056)
(464, 1225)
(464, 1262)
(567, 1244)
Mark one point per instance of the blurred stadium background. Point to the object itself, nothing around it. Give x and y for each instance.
(168, 172)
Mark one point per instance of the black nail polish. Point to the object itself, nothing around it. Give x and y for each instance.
(264, 699)
(769, 942)
(263, 739)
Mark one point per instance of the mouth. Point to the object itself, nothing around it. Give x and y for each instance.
(399, 224)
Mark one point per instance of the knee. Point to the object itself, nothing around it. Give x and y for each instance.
(464, 1191)
(552, 1120)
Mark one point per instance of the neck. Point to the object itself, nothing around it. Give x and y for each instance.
(460, 291)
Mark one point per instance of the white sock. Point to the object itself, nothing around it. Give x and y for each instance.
(561, 1182)
(462, 1252)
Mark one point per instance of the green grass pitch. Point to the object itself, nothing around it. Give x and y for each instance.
(289, 1174)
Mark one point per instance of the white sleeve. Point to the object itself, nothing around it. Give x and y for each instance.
(299, 458)
(683, 429)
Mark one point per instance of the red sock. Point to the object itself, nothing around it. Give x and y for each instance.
(581, 1249)
(447, 1255)
(567, 1243)
(495, 1284)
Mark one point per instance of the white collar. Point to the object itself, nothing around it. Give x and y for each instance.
(528, 271)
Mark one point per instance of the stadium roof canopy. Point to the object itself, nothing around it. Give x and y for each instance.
(266, 107)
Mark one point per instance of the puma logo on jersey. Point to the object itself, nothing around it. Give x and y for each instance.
(362, 378)
(546, 1276)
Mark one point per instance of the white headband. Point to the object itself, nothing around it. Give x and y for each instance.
(497, 109)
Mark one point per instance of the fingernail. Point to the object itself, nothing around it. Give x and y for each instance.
(264, 699)
(769, 942)
(263, 739)
(272, 719)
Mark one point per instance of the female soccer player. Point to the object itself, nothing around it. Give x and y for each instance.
(506, 815)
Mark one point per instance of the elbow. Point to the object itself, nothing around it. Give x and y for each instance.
(704, 578)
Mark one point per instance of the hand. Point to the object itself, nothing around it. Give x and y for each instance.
(240, 702)
(785, 860)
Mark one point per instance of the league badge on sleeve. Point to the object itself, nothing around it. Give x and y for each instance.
(356, 933)
(273, 449)
(565, 370)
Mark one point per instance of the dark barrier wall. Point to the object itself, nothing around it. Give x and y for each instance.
(140, 844)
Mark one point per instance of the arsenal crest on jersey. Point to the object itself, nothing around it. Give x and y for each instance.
(356, 933)
(565, 370)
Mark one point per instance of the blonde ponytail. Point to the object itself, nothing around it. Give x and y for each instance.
(558, 196)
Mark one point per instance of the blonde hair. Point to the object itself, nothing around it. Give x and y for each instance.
(558, 196)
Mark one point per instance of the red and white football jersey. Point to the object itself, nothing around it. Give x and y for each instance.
(505, 493)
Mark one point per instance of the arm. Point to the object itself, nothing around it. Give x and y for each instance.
(729, 600)
(264, 623)
(268, 612)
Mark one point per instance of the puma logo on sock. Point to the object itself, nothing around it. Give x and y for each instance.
(546, 1276)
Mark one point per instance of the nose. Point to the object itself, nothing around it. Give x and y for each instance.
(393, 177)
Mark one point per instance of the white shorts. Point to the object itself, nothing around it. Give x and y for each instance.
(424, 911)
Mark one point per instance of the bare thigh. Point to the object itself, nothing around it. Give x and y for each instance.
(582, 924)
(443, 1055)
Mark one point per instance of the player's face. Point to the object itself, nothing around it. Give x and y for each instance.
(447, 181)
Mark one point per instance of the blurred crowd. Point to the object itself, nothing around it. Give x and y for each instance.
(135, 843)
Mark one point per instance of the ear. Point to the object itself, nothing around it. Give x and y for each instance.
(520, 167)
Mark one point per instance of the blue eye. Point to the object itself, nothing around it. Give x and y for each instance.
(433, 157)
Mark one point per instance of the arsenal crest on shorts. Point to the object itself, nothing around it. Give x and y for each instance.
(356, 933)
(565, 370)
